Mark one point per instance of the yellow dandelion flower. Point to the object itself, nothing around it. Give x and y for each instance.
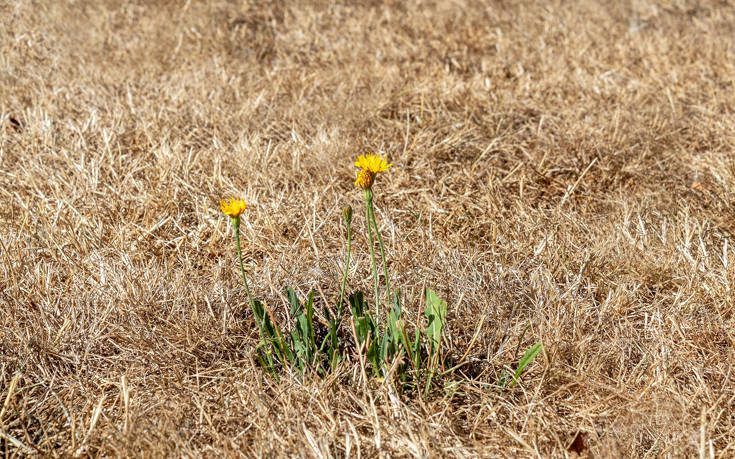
(370, 165)
(233, 207)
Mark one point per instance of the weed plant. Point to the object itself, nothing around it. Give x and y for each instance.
(383, 345)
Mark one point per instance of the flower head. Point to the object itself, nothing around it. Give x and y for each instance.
(364, 179)
(233, 207)
(370, 165)
(347, 214)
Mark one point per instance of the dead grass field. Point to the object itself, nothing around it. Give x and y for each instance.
(563, 168)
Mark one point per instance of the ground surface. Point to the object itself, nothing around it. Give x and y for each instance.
(560, 168)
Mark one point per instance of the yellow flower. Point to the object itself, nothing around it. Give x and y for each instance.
(370, 165)
(233, 207)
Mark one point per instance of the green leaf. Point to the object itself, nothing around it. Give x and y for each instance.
(403, 339)
(436, 313)
(293, 300)
(364, 324)
(417, 348)
(357, 304)
(310, 319)
(331, 340)
(374, 357)
(367, 331)
(269, 334)
(384, 348)
(527, 358)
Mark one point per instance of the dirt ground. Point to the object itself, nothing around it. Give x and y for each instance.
(563, 172)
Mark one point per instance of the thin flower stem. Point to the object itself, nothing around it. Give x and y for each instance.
(382, 250)
(242, 268)
(236, 225)
(347, 268)
(368, 203)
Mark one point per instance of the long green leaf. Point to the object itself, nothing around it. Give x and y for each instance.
(293, 300)
(436, 313)
(309, 320)
(527, 358)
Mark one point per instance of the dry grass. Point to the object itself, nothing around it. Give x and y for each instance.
(562, 166)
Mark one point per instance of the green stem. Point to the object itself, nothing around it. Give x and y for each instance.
(236, 224)
(382, 250)
(368, 195)
(347, 268)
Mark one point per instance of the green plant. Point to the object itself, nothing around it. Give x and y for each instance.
(505, 379)
(303, 342)
(436, 313)
(271, 343)
(370, 165)
(386, 350)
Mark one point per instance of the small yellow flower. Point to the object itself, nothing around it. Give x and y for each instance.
(370, 165)
(233, 207)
